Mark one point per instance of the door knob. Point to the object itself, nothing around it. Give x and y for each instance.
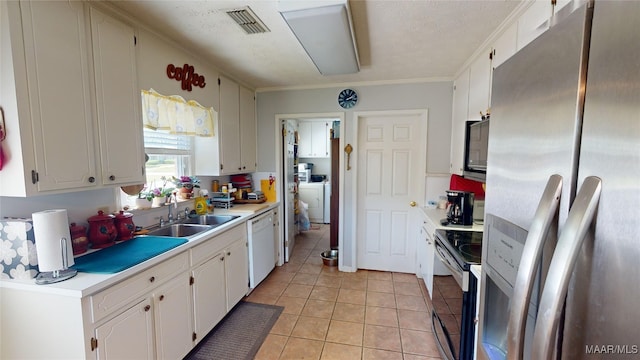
(413, 204)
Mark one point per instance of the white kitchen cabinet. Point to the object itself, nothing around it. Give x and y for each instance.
(153, 328)
(427, 232)
(50, 96)
(49, 100)
(459, 118)
(159, 312)
(312, 194)
(173, 323)
(533, 22)
(229, 129)
(248, 130)
(209, 296)
(117, 100)
(220, 277)
(228, 152)
(314, 139)
(236, 271)
(505, 46)
(127, 336)
(479, 85)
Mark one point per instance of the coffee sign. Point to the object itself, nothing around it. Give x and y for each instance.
(186, 75)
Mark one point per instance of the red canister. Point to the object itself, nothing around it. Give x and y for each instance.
(79, 241)
(124, 225)
(102, 230)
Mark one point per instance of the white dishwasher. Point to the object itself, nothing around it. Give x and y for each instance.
(261, 249)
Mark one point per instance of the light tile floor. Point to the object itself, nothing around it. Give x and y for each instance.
(338, 315)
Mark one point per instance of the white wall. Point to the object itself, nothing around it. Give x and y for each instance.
(434, 96)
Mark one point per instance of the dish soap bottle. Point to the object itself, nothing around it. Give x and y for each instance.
(201, 205)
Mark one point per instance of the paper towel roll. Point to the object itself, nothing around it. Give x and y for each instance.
(49, 227)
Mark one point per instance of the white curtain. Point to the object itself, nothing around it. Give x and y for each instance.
(175, 114)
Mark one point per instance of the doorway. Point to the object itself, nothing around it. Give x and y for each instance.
(287, 160)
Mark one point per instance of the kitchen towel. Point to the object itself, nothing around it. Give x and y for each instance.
(51, 228)
(126, 254)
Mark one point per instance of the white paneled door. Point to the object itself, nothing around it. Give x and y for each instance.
(391, 165)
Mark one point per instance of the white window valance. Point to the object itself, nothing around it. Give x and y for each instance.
(176, 115)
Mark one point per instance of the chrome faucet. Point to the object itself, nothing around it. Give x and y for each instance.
(172, 203)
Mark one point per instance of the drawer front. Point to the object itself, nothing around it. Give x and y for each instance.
(215, 244)
(117, 296)
(429, 226)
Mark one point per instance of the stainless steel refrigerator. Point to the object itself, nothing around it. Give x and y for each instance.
(561, 247)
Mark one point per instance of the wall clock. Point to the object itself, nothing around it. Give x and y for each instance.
(347, 98)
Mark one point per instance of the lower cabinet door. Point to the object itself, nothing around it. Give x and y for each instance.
(430, 253)
(237, 272)
(174, 327)
(128, 335)
(209, 296)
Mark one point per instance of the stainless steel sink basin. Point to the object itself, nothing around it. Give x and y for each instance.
(211, 219)
(180, 230)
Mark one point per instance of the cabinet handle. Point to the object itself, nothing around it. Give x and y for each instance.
(152, 279)
(161, 297)
(147, 308)
(222, 258)
(228, 253)
(112, 177)
(92, 179)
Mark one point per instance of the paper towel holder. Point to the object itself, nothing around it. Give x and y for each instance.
(50, 277)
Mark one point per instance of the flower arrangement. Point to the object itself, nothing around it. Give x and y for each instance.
(157, 191)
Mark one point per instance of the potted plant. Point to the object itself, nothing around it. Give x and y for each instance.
(157, 194)
(186, 184)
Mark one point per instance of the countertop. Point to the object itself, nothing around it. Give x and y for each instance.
(85, 284)
(435, 215)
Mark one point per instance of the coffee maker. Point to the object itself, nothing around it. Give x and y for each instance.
(459, 208)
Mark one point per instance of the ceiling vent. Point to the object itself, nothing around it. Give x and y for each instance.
(248, 20)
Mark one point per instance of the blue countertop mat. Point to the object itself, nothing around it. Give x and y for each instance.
(126, 254)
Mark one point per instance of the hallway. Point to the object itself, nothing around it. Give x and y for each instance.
(336, 315)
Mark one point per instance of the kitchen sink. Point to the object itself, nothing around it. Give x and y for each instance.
(180, 230)
(211, 219)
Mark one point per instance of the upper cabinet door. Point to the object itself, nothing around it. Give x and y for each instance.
(229, 129)
(460, 116)
(505, 46)
(319, 139)
(248, 130)
(117, 100)
(57, 61)
(533, 22)
(479, 85)
(304, 145)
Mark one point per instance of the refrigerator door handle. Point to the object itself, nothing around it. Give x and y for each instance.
(564, 258)
(542, 221)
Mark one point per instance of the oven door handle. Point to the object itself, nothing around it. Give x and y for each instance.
(456, 272)
(545, 218)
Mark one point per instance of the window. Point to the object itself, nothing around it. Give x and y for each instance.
(169, 154)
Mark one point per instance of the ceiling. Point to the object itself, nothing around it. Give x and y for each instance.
(397, 40)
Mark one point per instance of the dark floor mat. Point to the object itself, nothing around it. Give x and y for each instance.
(239, 335)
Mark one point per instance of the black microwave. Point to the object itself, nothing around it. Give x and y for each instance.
(475, 154)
